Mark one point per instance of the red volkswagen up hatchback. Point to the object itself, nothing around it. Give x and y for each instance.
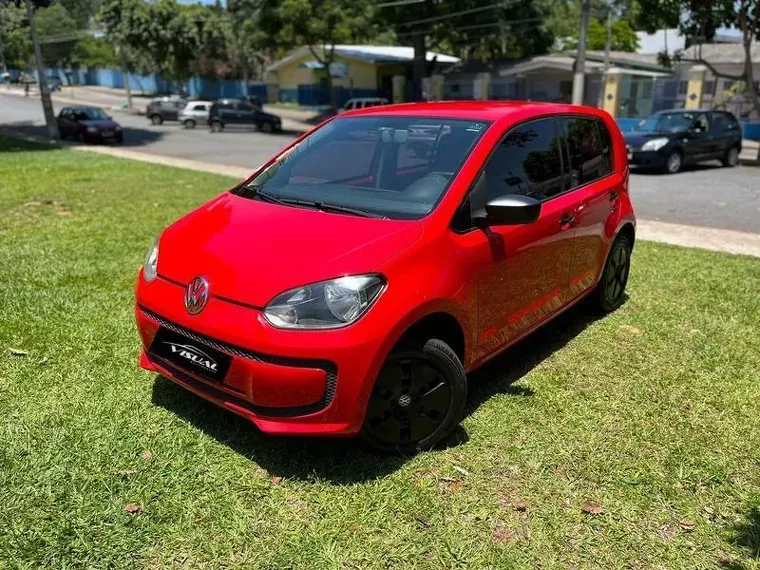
(352, 281)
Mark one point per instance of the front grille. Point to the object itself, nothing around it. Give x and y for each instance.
(330, 369)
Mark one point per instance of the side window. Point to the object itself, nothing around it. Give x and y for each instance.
(589, 147)
(66, 114)
(244, 107)
(723, 122)
(527, 161)
(200, 107)
(700, 123)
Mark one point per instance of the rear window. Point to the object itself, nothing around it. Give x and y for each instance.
(590, 149)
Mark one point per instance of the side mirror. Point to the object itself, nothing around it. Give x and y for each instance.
(510, 210)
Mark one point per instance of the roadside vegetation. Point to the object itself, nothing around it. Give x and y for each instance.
(629, 441)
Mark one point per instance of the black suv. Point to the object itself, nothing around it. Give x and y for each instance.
(160, 110)
(234, 112)
(670, 139)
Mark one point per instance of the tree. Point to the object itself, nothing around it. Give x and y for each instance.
(699, 20)
(623, 36)
(58, 35)
(320, 25)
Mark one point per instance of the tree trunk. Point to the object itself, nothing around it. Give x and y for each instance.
(747, 37)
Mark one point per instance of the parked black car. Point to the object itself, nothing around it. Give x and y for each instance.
(88, 124)
(670, 139)
(167, 109)
(235, 112)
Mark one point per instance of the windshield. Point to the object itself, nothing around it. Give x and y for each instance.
(93, 114)
(396, 167)
(666, 123)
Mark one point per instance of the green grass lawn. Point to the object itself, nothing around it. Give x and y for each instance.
(629, 442)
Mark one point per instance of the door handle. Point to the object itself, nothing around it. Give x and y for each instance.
(614, 198)
(566, 222)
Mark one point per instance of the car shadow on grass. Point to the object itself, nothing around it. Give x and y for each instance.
(347, 461)
(745, 536)
(499, 376)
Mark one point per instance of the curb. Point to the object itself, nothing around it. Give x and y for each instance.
(699, 237)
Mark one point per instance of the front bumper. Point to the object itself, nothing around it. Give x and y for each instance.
(647, 159)
(286, 382)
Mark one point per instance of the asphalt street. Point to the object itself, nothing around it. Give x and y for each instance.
(706, 195)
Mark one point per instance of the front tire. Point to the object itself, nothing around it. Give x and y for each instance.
(156, 119)
(267, 127)
(674, 162)
(418, 399)
(731, 158)
(216, 127)
(610, 292)
(189, 124)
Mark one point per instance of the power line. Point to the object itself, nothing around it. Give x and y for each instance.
(398, 3)
(506, 23)
(460, 13)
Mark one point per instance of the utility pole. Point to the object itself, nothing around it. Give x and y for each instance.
(607, 47)
(47, 104)
(579, 75)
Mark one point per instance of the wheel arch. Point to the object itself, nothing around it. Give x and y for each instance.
(441, 325)
(628, 231)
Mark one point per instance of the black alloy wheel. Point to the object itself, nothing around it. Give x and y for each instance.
(611, 288)
(418, 399)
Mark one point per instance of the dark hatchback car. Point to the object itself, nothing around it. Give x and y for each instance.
(88, 124)
(161, 110)
(237, 113)
(670, 139)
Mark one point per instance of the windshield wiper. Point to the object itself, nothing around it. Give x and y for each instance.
(321, 206)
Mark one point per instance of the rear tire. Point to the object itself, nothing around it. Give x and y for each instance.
(674, 162)
(731, 158)
(418, 399)
(610, 291)
(267, 127)
(156, 119)
(216, 127)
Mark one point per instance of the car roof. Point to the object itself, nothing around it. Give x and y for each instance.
(476, 110)
(82, 108)
(681, 110)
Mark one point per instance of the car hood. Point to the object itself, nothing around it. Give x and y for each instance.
(638, 138)
(250, 251)
(99, 123)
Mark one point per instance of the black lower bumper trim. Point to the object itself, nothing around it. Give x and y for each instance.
(331, 371)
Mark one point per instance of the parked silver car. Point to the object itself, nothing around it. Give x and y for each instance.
(194, 112)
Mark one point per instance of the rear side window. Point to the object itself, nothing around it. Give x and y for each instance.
(724, 122)
(527, 161)
(590, 149)
(200, 107)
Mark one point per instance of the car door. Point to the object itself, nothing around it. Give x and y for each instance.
(699, 143)
(246, 114)
(524, 268)
(594, 194)
(725, 133)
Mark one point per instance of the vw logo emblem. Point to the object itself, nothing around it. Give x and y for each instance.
(196, 295)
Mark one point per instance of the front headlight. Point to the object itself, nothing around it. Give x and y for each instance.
(655, 144)
(325, 305)
(92, 129)
(150, 269)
